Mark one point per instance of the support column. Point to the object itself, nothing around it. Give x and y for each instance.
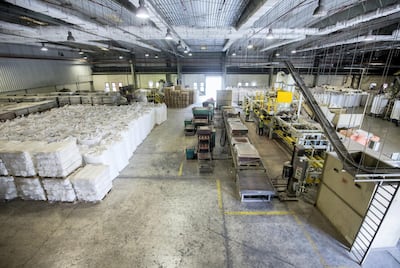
(179, 71)
(271, 74)
(223, 84)
(133, 72)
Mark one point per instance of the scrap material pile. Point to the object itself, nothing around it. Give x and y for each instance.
(71, 153)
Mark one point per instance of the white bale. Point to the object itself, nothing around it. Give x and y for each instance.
(8, 190)
(17, 157)
(30, 189)
(3, 169)
(58, 159)
(92, 182)
(59, 190)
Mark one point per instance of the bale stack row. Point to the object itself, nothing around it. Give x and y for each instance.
(175, 97)
(81, 164)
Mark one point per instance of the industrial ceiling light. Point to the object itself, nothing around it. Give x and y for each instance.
(43, 48)
(179, 45)
(234, 53)
(293, 51)
(141, 11)
(85, 57)
(168, 36)
(203, 47)
(269, 34)
(81, 52)
(277, 54)
(156, 56)
(146, 54)
(120, 57)
(320, 10)
(250, 45)
(70, 37)
(186, 50)
(190, 54)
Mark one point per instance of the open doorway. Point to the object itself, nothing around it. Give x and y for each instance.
(213, 83)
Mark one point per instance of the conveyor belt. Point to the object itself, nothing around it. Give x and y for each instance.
(348, 162)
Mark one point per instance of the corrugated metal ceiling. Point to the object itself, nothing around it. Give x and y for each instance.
(201, 13)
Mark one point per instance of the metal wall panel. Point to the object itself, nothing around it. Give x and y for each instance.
(20, 74)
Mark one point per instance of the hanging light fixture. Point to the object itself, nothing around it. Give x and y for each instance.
(146, 54)
(320, 10)
(179, 45)
(240, 49)
(43, 48)
(293, 51)
(190, 54)
(250, 45)
(277, 54)
(168, 36)
(156, 56)
(120, 57)
(85, 57)
(141, 11)
(70, 37)
(81, 52)
(186, 50)
(269, 34)
(234, 53)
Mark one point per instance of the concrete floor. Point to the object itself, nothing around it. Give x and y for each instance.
(162, 213)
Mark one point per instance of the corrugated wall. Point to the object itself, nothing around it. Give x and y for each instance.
(23, 74)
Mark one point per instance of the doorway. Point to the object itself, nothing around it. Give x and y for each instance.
(213, 83)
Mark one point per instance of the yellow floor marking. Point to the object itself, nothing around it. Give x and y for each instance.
(219, 194)
(255, 213)
(310, 240)
(180, 169)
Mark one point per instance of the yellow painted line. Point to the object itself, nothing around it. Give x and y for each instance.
(180, 169)
(219, 192)
(310, 240)
(256, 213)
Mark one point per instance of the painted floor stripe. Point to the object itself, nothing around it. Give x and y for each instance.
(180, 169)
(219, 192)
(256, 213)
(310, 240)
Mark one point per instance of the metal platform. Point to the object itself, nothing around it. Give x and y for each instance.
(254, 186)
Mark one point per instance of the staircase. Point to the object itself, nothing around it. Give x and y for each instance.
(378, 207)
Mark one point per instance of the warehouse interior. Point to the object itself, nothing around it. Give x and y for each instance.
(199, 133)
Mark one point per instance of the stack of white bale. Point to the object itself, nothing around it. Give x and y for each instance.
(107, 136)
(92, 182)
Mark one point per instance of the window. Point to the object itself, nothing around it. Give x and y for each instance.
(151, 83)
(195, 86)
(107, 87)
(246, 84)
(120, 84)
(114, 86)
(253, 84)
(239, 84)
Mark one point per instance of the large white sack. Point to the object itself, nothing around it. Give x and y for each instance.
(8, 190)
(92, 182)
(59, 190)
(30, 189)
